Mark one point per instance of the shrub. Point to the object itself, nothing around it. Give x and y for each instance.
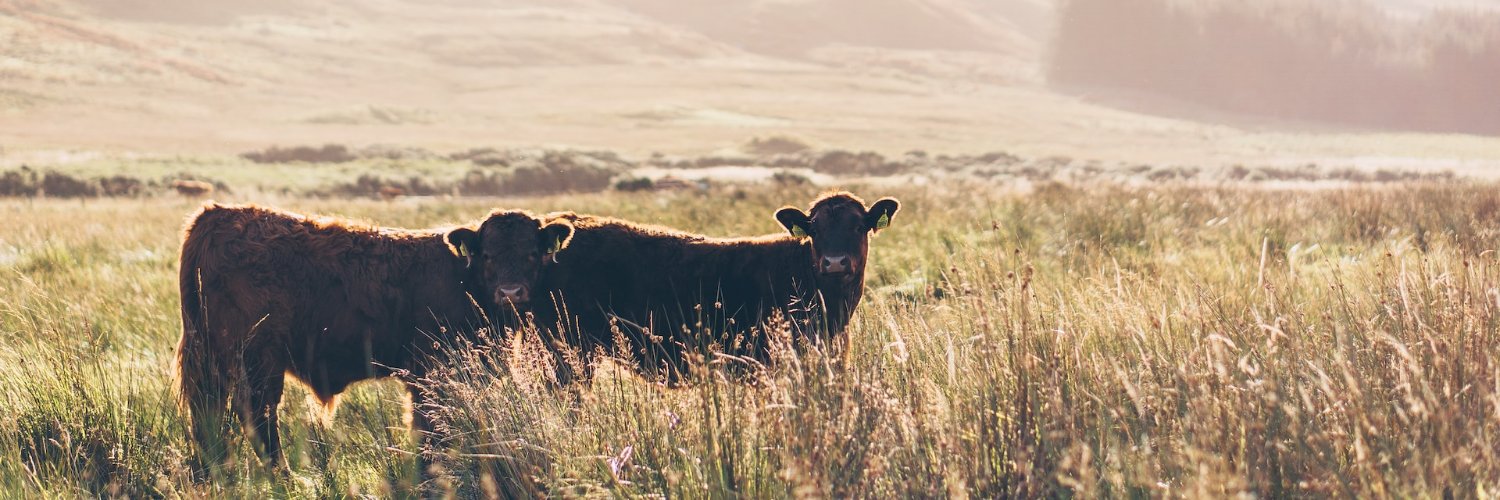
(776, 145)
(559, 172)
(389, 152)
(846, 163)
(120, 185)
(723, 161)
(790, 178)
(485, 157)
(630, 184)
(66, 186)
(481, 183)
(382, 187)
(328, 153)
(19, 183)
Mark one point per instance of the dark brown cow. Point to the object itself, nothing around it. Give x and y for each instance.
(266, 294)
(659, 285)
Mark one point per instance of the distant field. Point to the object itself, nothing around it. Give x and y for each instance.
(1161, 340)
(336, 170)
(637, 76)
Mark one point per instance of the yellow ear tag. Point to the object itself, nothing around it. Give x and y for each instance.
(798, 233)
(463, 249)
(556, 246)
(883, 222)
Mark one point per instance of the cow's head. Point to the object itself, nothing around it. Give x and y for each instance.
(839, 226)
(508, 252)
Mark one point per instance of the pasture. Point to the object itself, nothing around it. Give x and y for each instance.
(1179, 340)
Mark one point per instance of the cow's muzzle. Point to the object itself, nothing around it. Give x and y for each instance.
(512, 294)
(836, 265)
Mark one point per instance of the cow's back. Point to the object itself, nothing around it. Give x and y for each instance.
(669, 282)
(319, 297)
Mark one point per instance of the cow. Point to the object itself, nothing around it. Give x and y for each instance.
(666, 288)
(192, 189)
(389, 193)
(268, 294)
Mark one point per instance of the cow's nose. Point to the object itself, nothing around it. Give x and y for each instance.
(517, 294)
(835, 264)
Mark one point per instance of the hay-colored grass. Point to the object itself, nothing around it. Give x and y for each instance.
(1101, 341)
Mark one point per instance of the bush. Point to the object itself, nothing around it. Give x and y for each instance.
(66, 186)
(790, 178)
(482, 183)
(631, 184)
(328, 153)
(19, 183)
(723, 161)
(119, 185)
(846, 163)
(377, 186)
(999, 157)
(560, 172)
(776, 145)
(486, 157)
(389, 152)
(508, 173)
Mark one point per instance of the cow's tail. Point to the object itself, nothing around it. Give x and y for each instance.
(202, 384)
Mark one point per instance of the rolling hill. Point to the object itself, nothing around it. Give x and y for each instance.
(217, 76)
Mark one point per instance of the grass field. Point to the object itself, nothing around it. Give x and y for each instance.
(1168, 340)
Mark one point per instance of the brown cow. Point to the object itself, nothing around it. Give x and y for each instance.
(389, 193)
(266, 294)
(192, 188)
(650, 282)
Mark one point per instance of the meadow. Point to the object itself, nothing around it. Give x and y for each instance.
(1105, 339)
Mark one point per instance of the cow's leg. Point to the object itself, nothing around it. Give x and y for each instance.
(258, 411)
(207, 430)
(207, 400)
(421, 425)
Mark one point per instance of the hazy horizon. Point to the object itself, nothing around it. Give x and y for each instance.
(153, 76)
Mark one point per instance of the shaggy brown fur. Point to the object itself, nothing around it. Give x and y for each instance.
(266, 294)
(665, 288)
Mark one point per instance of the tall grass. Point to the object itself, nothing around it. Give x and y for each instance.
(1163, 341)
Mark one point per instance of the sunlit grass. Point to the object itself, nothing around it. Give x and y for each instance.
(1179, 341)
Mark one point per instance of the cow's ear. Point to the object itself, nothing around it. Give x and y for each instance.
(795, 222)
(463, 242)
(880, 214)
(556, 235)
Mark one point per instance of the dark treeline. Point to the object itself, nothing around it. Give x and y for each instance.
(1334, 61)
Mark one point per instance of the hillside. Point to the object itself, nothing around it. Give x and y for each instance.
(1341, 62)
(153, 76)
